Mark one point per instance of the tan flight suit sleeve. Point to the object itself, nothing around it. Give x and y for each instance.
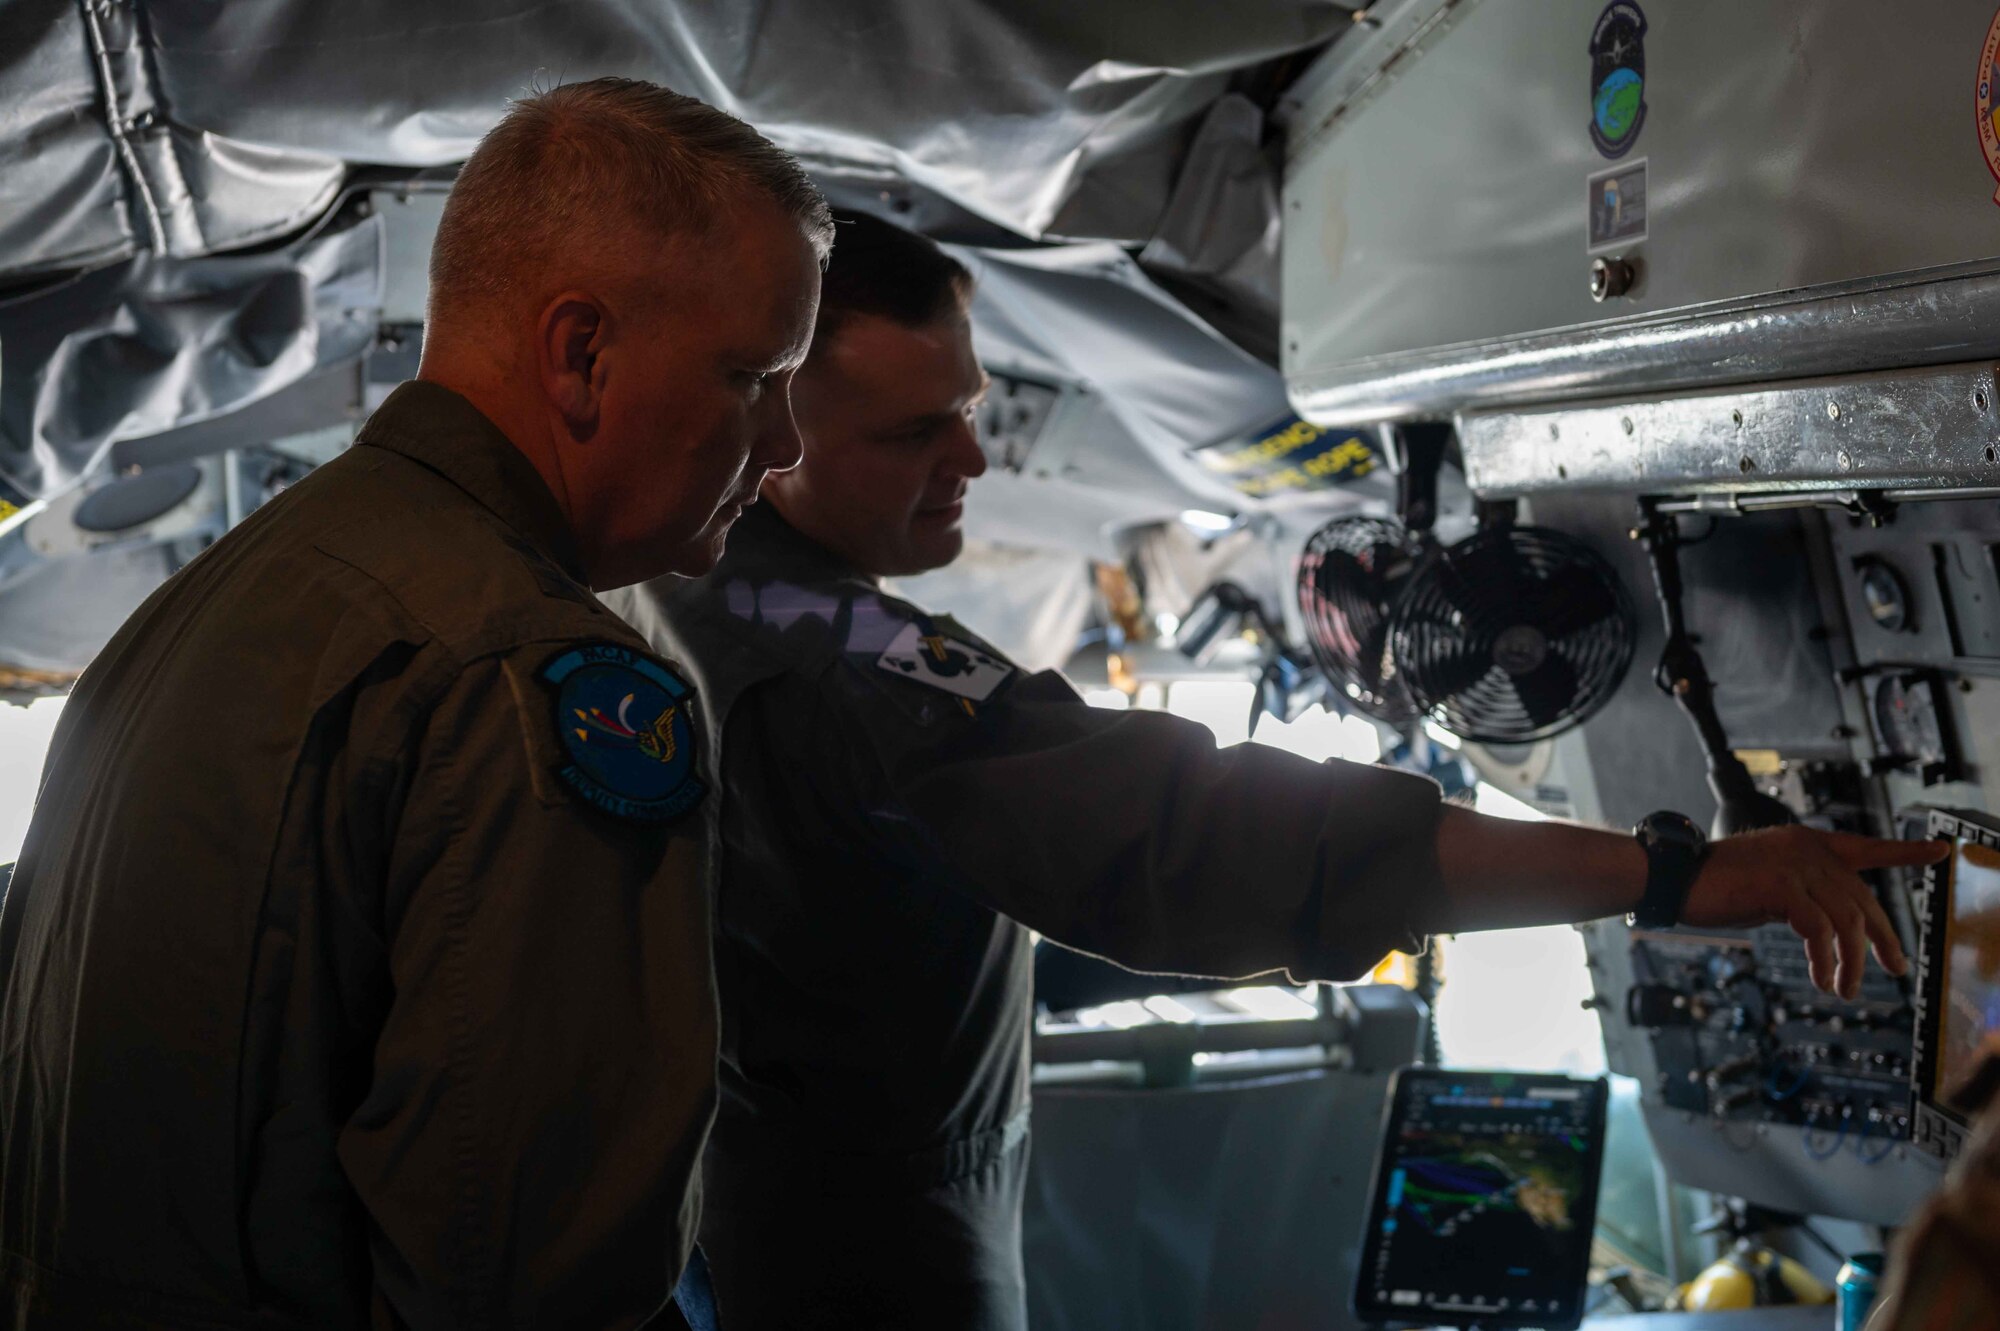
(1944, 1274)
(1944, 1271)
(544, 1073)
(1125, 834)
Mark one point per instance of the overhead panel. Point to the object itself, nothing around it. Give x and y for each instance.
(1530, 202)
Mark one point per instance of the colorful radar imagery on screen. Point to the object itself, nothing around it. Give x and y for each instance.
(1486, 1197)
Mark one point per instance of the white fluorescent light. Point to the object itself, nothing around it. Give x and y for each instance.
(1202, 520)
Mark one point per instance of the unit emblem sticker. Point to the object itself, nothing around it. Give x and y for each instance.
(1617, 203)
(951, 664)
(627, 727)
(1617, 78)
(1989, 77)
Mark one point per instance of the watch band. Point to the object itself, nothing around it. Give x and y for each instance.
(1675, 849)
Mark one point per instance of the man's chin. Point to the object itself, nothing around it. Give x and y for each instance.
(688, 558)
(698, 556)
(704, 552)
(934, 550)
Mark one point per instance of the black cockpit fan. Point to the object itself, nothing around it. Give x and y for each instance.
(1350, 578)
(1512, 635)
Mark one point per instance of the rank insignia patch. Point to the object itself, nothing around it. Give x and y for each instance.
(627, 726)
(926, 656)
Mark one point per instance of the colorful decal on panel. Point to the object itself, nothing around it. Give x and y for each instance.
(1989, 77)
(1617, 78)
(1617, 206)
(1291, 454)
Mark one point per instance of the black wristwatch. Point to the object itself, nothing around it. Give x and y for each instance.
(1674, 848)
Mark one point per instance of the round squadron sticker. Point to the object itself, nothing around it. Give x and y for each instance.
(1989, 76)
(1617, 78)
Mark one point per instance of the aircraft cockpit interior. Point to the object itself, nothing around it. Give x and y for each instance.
(1591, 409)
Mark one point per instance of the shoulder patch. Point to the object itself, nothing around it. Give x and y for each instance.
(923, 653)
(627, 727)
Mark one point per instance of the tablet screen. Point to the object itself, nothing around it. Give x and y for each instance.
(1484, 1200)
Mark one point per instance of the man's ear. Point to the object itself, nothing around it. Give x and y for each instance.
(569, 347)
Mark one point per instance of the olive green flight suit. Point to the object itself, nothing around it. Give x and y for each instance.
(341, 983)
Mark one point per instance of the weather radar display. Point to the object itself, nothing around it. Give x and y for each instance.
(1485, 1195)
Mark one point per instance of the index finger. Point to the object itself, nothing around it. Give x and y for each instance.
(1866, 852)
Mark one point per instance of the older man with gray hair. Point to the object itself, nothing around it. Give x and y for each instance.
(356, 969)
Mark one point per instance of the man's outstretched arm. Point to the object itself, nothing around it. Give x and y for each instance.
(1132, 836)
(1499, 873)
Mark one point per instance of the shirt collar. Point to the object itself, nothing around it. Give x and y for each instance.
(762, 545)
(431, 425)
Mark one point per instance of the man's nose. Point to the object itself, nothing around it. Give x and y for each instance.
(966, 457)
(779, 446)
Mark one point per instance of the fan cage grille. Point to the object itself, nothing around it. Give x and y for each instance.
(1350, 576)
(1454, 612)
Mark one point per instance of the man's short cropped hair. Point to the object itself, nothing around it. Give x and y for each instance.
(583, 164)
(880, 269)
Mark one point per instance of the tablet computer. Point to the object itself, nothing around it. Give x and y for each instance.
(1484, 1200)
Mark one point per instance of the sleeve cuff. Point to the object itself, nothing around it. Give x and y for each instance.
(1379, 872)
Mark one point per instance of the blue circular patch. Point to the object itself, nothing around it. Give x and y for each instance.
(627, 726)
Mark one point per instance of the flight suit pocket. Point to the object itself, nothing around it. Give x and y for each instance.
(534, 707)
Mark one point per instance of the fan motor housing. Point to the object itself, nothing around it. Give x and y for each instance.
(1513, 635)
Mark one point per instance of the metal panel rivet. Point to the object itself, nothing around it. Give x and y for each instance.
(1746, 464)
(1627, 423)
(1736, 418)
(1846, 462)
(1992, 453)
(1979, 398)
(1833, 411)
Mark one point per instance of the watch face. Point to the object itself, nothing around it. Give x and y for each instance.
(1673, 828)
